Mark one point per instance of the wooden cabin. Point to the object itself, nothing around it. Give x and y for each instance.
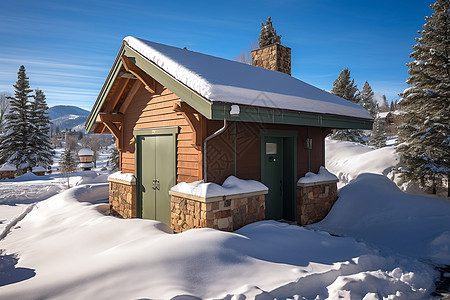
(183, 116)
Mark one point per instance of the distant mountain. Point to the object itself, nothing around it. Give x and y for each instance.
(67, 117)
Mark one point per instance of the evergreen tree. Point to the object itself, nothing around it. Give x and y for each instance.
(113, 161)
(366, 99)
(378, 135)
(392, 107)
(15, 143)
(268, 35)
(346, 88)
(424, 139)
(40, 141)
(67, 164)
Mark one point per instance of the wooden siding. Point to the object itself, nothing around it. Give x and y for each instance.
(221, 161)
(155, 110)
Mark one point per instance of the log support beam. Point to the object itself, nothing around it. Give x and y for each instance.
(194, 120)
(147, 81)
(114, 122)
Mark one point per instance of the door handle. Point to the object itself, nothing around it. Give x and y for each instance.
(157, 184)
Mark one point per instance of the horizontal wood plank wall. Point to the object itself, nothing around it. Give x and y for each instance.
(155, 110)
(248, 156)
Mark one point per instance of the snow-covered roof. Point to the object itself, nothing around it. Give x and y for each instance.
(225, 81)
(384, 114)
(8, 167)
(39, 169)
(85, 151)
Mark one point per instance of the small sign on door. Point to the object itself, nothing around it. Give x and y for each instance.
(271, 148)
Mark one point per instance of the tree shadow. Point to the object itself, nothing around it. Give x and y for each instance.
(9, 273)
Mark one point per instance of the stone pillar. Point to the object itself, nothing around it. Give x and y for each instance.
(122, 198)
(227, 213)
(273, 57)
(315, 200)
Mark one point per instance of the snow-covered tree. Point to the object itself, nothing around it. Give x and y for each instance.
(366, 99)
(378, 135)
(346, 88)
(113, 159)
(424, 137)
(15, 144)
(268, 35)
(67, 164)
(40, 141)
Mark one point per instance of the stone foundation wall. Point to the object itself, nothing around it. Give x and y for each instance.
(122, 199)
(224, 213)
(314, 201)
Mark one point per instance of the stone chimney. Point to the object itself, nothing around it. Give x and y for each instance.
(273, 57)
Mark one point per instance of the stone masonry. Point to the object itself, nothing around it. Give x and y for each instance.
(273, 57)
(315, 200)
(122, 198)
(227, 213)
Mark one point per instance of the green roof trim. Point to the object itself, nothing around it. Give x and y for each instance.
(276, 116)
(107, 85)
(215, 110)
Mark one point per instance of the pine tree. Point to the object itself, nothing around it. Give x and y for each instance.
(268, 35)
(15, 144)
(392, 107)
(113, 161)
(67, 164)
(366, 99)
(378, 135)
(40, 141)
(424, 136)
(346, 88)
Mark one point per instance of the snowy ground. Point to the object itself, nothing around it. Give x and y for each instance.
(385, 244)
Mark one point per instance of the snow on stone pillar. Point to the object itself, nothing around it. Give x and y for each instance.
(316, 195)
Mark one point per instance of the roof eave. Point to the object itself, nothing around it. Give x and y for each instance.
(278, 116)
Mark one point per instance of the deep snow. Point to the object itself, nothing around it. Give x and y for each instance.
(61, 245)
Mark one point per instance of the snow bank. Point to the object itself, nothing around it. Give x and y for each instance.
(8, 167)
(222, 80)
(66, 249)
(322, 176)
(348, 160)
(231, 186)
(374, 210)
(127, 177)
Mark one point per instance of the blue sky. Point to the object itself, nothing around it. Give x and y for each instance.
(68, 47)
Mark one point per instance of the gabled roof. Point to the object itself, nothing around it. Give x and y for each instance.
(211, 84)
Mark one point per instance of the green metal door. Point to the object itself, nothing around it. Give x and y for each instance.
(272, 176)
(148, 175)
(157, 175)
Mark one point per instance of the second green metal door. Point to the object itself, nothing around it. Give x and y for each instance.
(273, 179)
(157, 159)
